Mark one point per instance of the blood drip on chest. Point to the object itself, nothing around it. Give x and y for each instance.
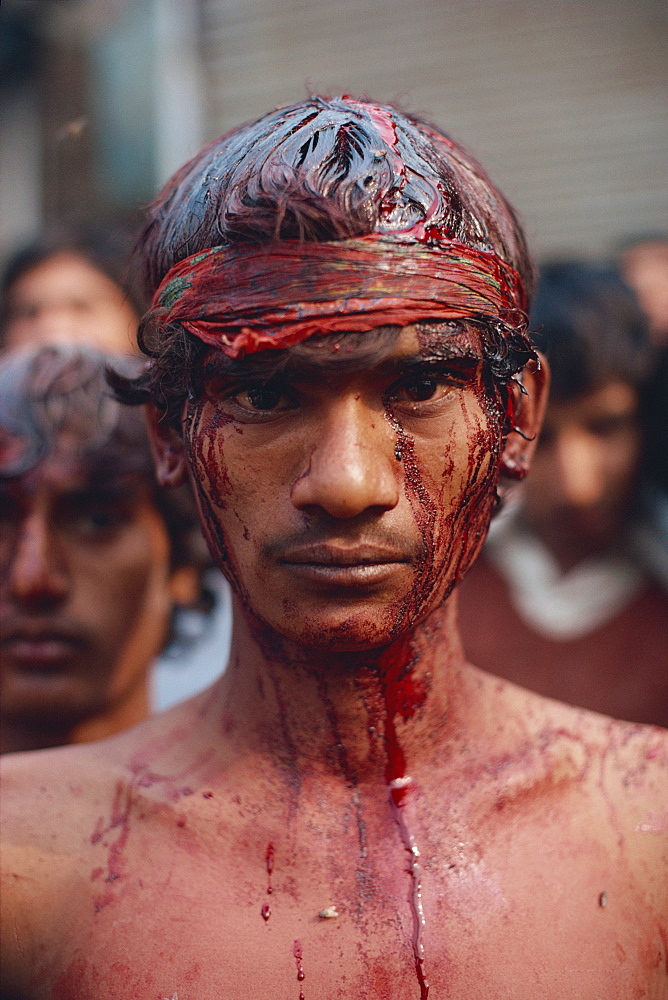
(403, 695)
(265, 909)
(298, 956)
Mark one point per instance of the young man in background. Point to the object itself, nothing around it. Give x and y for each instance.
(94, 554)
(570, 595)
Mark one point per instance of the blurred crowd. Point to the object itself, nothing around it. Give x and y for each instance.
(570, 596)
(110, 606)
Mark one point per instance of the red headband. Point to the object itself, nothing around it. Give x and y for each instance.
(252, 298)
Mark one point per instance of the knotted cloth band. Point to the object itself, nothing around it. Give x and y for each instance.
(250, 298)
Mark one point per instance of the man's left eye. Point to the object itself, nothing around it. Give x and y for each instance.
(98, 520)
(418, 390)
(263, 398)
(422, 388)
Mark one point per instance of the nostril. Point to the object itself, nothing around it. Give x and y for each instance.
(345, 486)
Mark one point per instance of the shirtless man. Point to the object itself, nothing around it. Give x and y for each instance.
(353, 810)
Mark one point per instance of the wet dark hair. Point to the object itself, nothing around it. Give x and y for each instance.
(106, 247)
(590, 326)
(47, 392)
(320, 170)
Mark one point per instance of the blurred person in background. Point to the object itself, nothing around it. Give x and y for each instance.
(643, 262)
(94, 555)
(72, 285)
(570, 596)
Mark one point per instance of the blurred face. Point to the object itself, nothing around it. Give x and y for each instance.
(67, 300)
(580, 490)
(344, 504)
(646, 270)
(84, 591)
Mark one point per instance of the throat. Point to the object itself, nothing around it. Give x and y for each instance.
(359, 716)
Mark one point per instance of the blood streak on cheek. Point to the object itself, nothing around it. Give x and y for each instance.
(477, 493)
(203, 434)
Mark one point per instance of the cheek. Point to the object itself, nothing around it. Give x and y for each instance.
(224, 485)
(622, 458)
(468, 493)
(137, 624)
(207, 472)
(450, 484)
(138, 574)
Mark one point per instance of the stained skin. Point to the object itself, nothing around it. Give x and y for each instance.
(139, 867)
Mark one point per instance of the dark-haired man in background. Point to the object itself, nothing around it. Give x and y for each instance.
(570, 596)
(71, 285)
(354, 810)
(94, 555)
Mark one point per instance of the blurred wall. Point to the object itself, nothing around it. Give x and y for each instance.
(100, 101)
(564, 101)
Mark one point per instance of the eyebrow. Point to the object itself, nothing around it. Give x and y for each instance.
(418, 364)
(449, 355)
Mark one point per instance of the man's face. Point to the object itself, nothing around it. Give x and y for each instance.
(84, 590)
(67, 300)
(581, 488)
(344, 504)
(645, 267)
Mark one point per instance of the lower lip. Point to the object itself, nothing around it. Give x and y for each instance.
(40, 655)
(358, 575)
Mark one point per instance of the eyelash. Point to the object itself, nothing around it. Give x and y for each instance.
(430, 373)
(439, 374)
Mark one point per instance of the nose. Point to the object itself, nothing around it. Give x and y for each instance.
(351, 467)
(580, 470)
(36, 571)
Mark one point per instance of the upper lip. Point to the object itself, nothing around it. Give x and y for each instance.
(36, 631)
(331, 554)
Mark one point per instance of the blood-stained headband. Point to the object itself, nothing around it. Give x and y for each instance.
(249, 298)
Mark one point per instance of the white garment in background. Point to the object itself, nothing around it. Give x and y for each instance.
(567, 606)
(191, 667)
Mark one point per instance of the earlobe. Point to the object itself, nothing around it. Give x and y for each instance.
(167, 448)
(529, 411)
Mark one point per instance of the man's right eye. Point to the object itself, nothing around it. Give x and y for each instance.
(266, 397)
(263, 399)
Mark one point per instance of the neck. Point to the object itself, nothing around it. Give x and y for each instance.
(371, 715)
(19, 734)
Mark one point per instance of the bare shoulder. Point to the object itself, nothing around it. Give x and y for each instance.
(45, 792)
(636, 752)
(45, 807)
(47, 795)
(53, 806)
(614, 772)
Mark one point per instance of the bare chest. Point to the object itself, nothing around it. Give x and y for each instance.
(365, 914)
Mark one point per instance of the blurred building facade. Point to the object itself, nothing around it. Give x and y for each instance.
(563, 100)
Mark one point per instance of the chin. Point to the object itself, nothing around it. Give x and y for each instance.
(343, 633)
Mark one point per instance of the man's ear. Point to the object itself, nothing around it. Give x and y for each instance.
(529, 410)
(167, 448)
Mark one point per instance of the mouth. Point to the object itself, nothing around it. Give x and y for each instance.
(43, 651)
(344, 566)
